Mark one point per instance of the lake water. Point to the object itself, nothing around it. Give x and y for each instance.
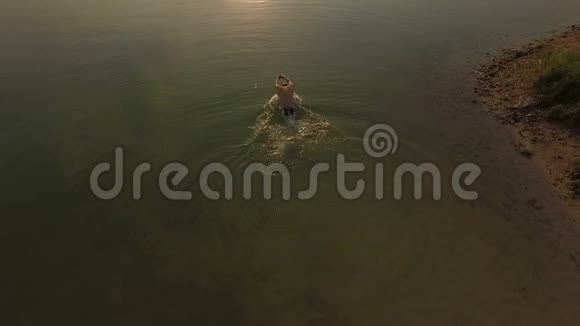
(187, 81)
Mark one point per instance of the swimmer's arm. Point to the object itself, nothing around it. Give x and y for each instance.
(284, 77)
(290, 83)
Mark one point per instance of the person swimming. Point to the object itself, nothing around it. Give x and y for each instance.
(285, 91)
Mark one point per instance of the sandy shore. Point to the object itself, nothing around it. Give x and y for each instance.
(506, 84)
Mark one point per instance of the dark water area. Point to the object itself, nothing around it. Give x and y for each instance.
(190, 82)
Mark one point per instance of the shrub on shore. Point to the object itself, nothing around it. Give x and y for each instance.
(559, 78)
(572, 117)
(567, 115)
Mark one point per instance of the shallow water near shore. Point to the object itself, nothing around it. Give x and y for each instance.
(190, 82)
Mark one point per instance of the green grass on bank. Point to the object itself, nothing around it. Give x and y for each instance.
(559, 79)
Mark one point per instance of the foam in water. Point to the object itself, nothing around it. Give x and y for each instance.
(278, 139)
